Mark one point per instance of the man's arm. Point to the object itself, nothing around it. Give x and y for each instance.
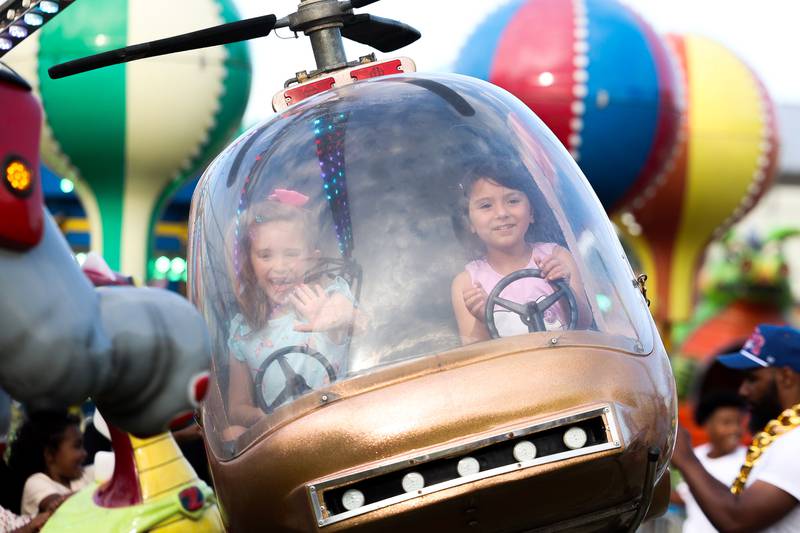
(758, 507)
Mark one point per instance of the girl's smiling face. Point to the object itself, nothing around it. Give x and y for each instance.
(66, 462)
(499, 216)
(724, 428)
(280, 257)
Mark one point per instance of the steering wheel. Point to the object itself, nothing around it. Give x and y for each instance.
(295, 383)
(531, 313)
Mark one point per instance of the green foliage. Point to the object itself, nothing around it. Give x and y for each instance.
(750, 268)
(684, 370)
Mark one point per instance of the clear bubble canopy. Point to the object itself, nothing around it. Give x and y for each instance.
(372, 226)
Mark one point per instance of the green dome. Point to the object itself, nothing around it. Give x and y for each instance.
(132, 133)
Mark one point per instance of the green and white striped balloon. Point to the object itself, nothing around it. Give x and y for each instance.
(131, 134)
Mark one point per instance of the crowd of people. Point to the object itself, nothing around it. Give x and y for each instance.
(727, 487)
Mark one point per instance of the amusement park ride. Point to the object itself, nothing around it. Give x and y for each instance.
(49, 307)
(394, 421)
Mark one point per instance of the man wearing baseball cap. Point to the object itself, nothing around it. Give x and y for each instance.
(765, 495)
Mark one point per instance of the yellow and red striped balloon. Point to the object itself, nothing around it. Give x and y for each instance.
(723, 162)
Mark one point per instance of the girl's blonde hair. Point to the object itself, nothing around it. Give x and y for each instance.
(253, 303)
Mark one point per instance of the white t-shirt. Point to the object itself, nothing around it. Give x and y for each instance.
(725, 469)
(39, 486)
(779, 466)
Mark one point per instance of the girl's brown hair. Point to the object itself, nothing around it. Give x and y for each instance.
(253, 303)
(513, 176)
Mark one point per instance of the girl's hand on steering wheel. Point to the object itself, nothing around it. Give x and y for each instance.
(319, 310)
(475, 301)
(559, 265)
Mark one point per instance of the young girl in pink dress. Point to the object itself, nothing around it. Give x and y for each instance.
(498, 217)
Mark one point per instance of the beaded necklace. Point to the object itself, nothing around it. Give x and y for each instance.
(788, 420)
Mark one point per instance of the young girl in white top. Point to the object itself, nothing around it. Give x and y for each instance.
(48, 453)
(275, 250)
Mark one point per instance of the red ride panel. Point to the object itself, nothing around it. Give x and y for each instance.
(23, 211)
(376, 69)
(297, 94)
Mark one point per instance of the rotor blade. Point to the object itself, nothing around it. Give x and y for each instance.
(232, 32)
(355, 4)
(386, 35)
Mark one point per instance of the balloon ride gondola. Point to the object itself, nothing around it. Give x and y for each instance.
(352, 389)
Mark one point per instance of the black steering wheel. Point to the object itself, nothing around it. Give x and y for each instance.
(295, 384)
(531, 313)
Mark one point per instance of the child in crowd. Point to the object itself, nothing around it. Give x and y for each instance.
(276, 248)
(497, 215)
(48, 454)
(721, 415)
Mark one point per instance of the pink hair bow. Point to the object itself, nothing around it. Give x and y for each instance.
(287, 196)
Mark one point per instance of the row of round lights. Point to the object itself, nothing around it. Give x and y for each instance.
(574, 438)
(28, 23)
(171, 269)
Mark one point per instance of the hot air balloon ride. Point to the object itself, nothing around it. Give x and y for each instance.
(375, 368)
(128, 137)
(723, 163)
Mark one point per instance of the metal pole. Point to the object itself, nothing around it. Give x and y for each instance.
(321, 20)
(328, 47)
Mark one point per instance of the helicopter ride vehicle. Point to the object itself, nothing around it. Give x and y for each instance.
(421, 315)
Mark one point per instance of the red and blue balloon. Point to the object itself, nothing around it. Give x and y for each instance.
(596, 74)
